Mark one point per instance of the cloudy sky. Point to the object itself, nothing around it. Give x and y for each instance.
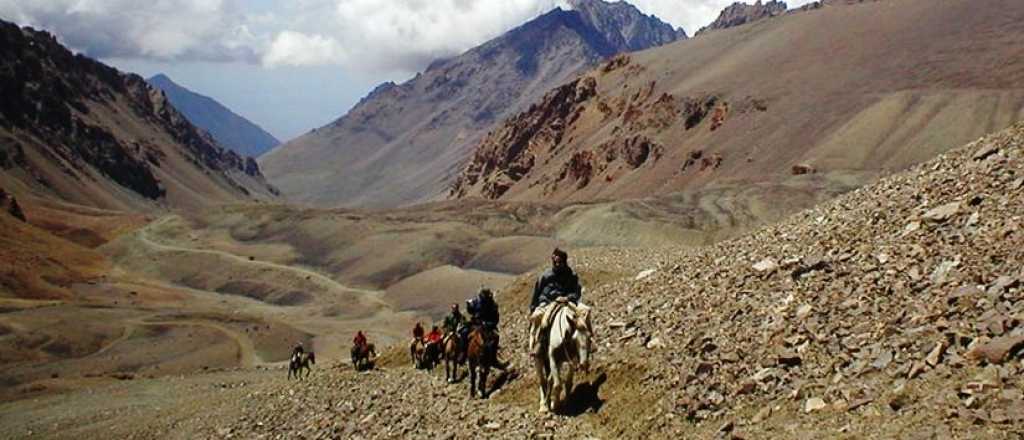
(292, 65)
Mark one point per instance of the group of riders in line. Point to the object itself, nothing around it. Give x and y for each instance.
(559, 281)
(557, 284)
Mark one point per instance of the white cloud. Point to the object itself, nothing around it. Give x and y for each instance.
(405, 35)
(360, 35)
(213, 30)
(292, 48)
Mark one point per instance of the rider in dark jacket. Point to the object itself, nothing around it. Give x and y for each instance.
(484, 309)
(556, 282)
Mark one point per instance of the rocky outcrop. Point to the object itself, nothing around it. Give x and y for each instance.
(539, 135)
(509, 153)
(88, 121)
(405, 143)
(738, 14)
(9, 204)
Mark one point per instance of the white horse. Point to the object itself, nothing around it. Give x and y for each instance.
(568, 349)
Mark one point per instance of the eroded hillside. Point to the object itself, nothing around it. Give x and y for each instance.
(811, 102)
(75, 129)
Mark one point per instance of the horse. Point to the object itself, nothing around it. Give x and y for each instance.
(416, 351)
(300, 361)
(454, 355)
(568, 347)
(361, 356)
(431, 355)
(482, 354)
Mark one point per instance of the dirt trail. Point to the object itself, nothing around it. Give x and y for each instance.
(323, 280)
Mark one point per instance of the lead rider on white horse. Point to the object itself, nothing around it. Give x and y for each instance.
(557, 282)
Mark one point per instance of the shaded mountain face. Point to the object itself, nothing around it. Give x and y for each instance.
(739, 14)
(74, 128)
(229, 129)
(404, 143)
(756, 114)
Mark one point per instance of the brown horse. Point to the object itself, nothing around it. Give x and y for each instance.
(416, 351)
(361, 356)
(482, 354)
(454, 355)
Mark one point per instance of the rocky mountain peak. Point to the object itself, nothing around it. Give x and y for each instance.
(739, 13)
(625, 26)
(404, 143)
(228, 128)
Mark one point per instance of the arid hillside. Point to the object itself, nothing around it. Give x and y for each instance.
(76, 130)
(893, 311)
(404, 143)
(813, 102)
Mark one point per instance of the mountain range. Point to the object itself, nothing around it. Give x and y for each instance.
(229, 129)
(77, 130)
(404, 143)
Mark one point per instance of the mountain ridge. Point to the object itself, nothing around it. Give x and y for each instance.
(229, 129)
(403, 142)
(76, 129)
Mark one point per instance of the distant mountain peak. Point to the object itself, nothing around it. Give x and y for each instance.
(738, 14)
(404, 143)
(227, 127)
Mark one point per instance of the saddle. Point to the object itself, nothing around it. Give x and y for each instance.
(552, 308)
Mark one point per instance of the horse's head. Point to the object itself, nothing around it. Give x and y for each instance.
(583, 336)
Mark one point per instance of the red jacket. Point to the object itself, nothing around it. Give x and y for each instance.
(359, 340)
(434, 336)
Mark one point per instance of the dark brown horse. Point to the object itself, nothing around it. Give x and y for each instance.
(454, 355)
(482, 354)
(432, 355)
(361, 356)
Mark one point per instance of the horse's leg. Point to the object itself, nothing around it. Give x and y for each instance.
(555, 392)
(472, 378)
(567, 385)
(543, 382)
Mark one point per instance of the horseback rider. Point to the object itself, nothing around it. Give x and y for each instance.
(359, 340)
(455, 325)
(417, 332)
(484, 312)
(454, 321)
(434, 336)
(557, 282)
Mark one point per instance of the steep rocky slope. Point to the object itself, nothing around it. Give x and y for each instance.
(79, 130)
(759, 111)
(229, 129)
(404, 142)
(893, 311)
